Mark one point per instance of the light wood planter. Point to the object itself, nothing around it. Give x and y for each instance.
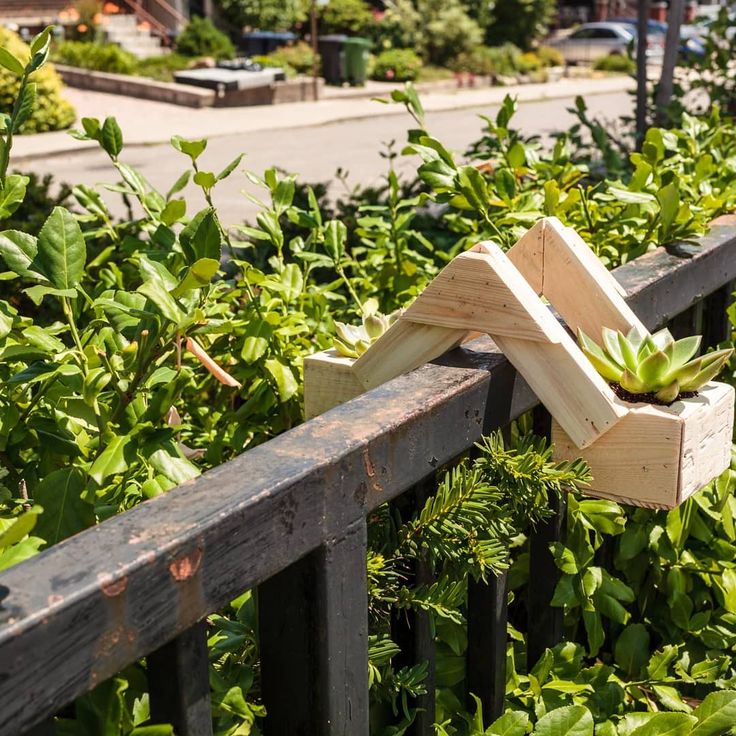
(640, 454)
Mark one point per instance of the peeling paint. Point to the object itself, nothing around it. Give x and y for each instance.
(110, 586)
(370, 471)
(183, 568)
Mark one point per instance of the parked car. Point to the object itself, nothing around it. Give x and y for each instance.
(691, 43)
(591, 41)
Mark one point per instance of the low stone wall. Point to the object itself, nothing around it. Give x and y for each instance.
(130, 86)
(299, 89)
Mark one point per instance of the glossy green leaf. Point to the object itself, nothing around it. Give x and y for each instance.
(62, 252)
(18, 250)
(205, 179)
(716, 715)
(22, 526)
(10, 62)
(174, 211)
(571, 720)
(201, 238)
(284, 378)
(66, 510)
(631, 651)
(230, 167)
(175, 468)
(115, 458)
(25, 106)
(666, 724)
(112, 137)
(335, 236)
(192, 148)
(163, 301)
(12, 194)
(513, 723)
(38, 292)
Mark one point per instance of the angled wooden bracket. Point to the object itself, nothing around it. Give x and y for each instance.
(485, 290)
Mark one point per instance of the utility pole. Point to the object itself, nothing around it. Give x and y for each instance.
(641, 71)
(671, 50)
(315, 49)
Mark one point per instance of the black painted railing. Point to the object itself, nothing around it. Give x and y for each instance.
(290, 517)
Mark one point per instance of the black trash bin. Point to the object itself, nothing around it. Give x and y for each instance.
(260, 43)
(332, 52)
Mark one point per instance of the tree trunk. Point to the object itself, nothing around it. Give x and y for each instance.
(671, 49)
(641, 71)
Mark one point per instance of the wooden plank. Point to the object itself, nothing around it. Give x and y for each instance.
(46, 728)
(404, 347)
(178, 683)
(486, 652)
(689, 322)
(717, 326)
(285, 613)
(527, 254)
(341, 680)
(314, 642)
(328, 381)
(563, 378)
(580, 287)
(544, 622)
(657, 456)
(413, 630)
(706, 437)
(483, 291)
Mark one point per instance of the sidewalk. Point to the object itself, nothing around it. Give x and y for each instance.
(145, 123)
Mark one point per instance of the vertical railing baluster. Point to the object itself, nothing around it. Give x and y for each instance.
(178, 683)
(285, 612)
(544, 625)
(45, 728)
(486, 653)
(689, 322)
(411, 629)
(314, 641)
(716, 325)
(342, 626)
(487, 615)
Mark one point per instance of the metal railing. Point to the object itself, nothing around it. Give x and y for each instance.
(172, 21)
(290, 517)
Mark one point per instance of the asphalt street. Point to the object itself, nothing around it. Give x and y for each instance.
(316, 153)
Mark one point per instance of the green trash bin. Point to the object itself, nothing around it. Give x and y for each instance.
(356, 59)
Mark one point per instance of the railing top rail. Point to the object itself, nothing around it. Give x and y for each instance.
(91, 605)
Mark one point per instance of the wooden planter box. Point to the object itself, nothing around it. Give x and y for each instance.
(640, 454)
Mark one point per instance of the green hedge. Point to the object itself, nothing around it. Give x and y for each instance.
(396, 65)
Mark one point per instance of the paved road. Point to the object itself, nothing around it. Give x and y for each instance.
(315, 153)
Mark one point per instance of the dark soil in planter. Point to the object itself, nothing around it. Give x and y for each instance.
(650, 398)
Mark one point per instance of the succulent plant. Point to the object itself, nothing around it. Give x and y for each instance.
(352, 341)
(656, 364)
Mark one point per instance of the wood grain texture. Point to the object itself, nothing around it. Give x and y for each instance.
(580, 287)
(402, 348)
(706, 437)
(656, 456)
(483, 291)
(527, 255)
(178, 683)
(567, 384)
(329, 381)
